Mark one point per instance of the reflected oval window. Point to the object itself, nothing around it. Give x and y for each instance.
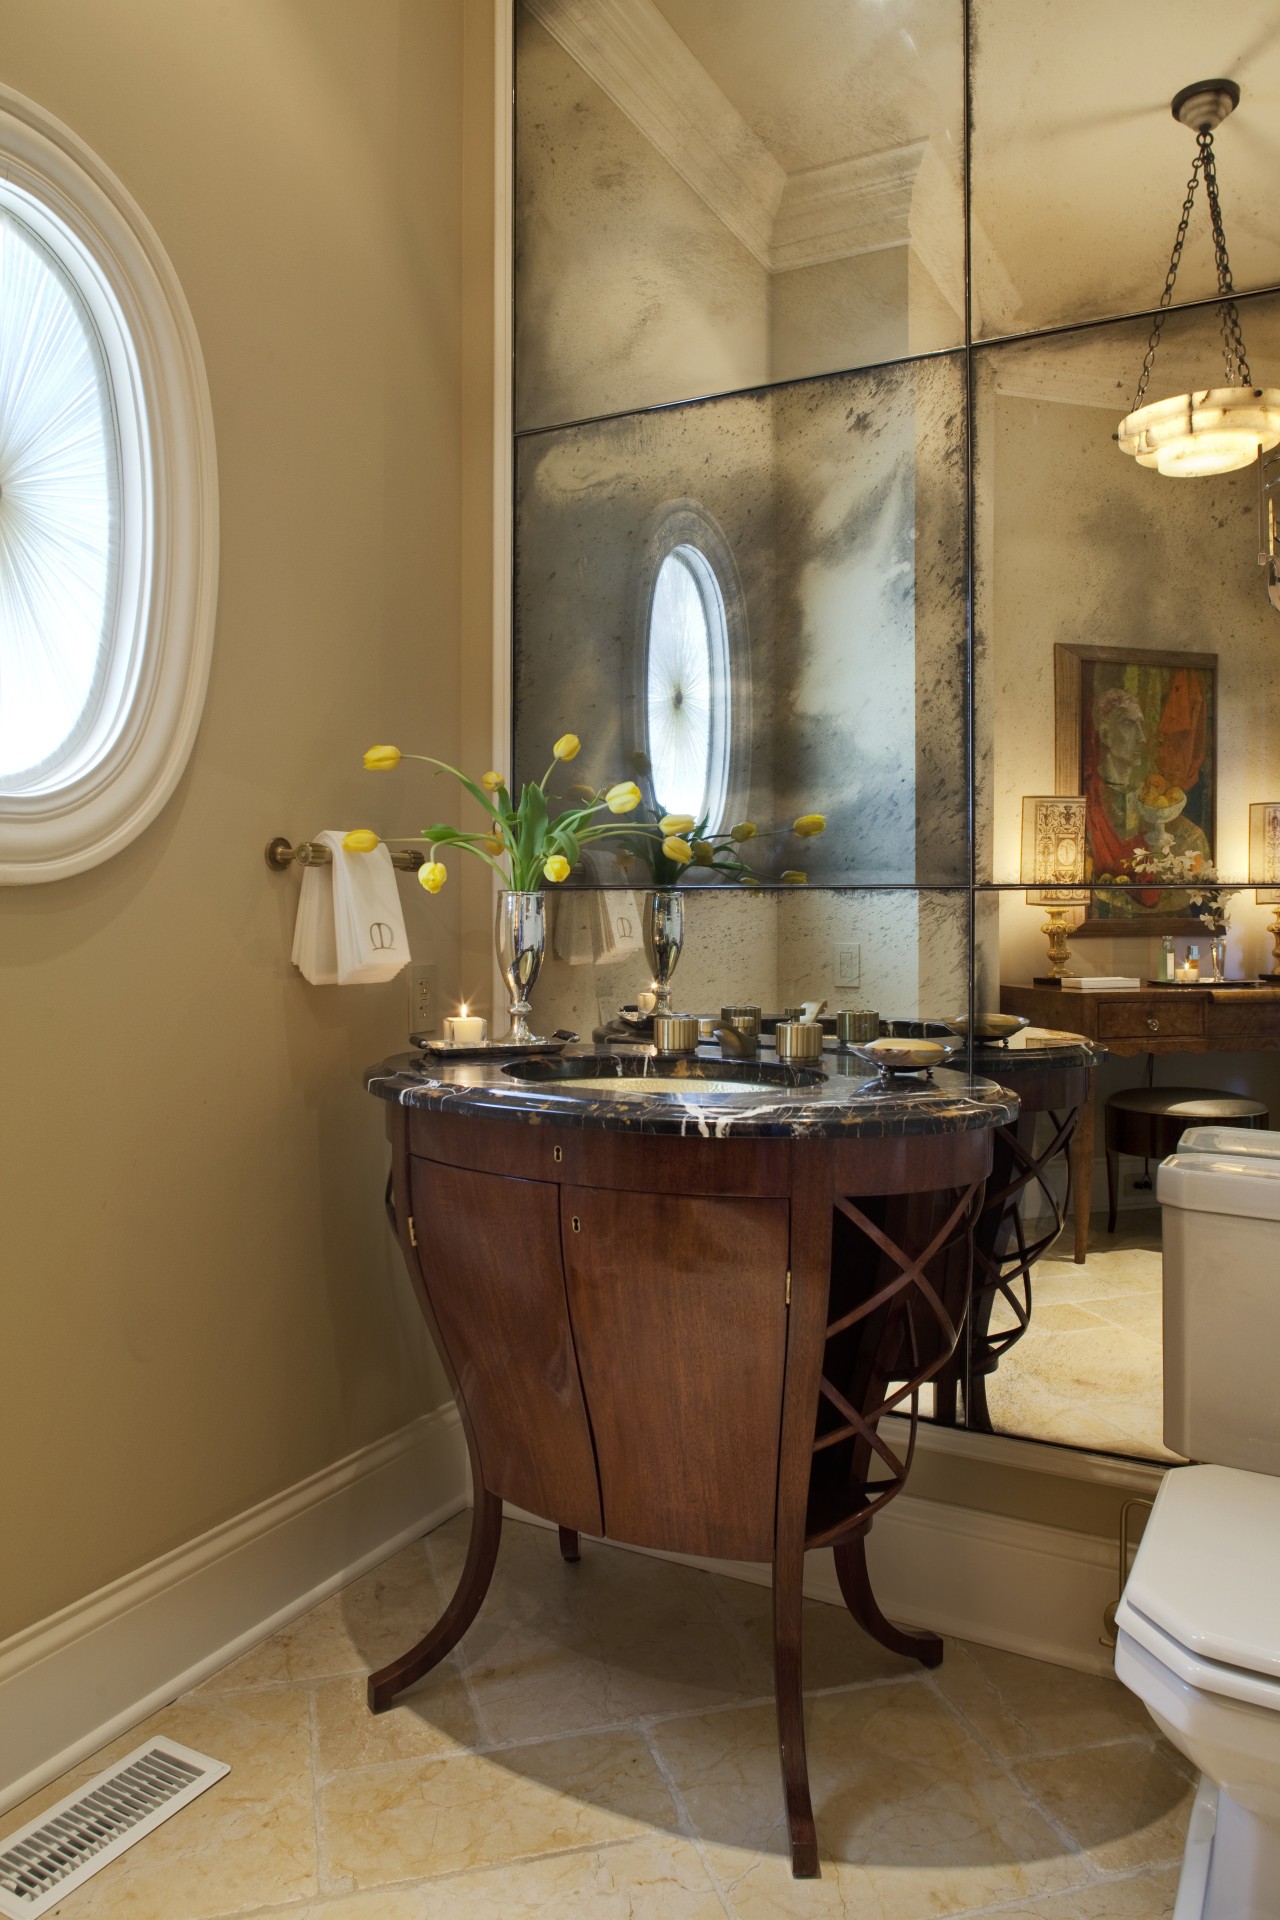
(688, 721)
(59, 513)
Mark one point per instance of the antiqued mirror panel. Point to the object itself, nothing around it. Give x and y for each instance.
(1127, 649)
(903, 955)
(1079, 170)
(755, 605)
(718, 194)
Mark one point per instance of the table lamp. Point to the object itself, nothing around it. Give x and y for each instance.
(1053, 866)
(1264, 869)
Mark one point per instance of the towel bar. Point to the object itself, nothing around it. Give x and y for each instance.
(311, 853)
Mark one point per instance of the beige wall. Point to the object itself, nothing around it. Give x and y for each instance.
(201, 1303)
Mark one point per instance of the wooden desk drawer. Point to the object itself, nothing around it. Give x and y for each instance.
(1154, 1016)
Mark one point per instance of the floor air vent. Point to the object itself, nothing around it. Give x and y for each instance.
(43, 1862)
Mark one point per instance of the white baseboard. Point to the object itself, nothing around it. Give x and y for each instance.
(72, 1682)
(1005, 1583)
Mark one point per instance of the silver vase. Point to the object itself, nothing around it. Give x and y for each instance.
(521, 936)
(663, 940)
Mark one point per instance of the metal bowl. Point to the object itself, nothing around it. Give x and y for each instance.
(996, 1029)
(892, 1056)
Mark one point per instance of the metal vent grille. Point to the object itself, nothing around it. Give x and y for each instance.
(49, 1858)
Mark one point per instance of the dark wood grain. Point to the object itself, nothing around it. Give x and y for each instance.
(811, 1203)
(489, 1250)
(679, 1312)
(1204, 1019)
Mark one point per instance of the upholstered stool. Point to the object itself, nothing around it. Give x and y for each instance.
(1150, 1121)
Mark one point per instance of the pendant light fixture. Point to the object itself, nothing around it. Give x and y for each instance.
(1218, 428)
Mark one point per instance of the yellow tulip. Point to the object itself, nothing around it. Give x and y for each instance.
(703, 852)
(432, 876)
(494, 843)
(556, 868)
(360, 840)
(745, 830)
(382, 759)
(623, 798)
(677, 849)
(566, 747)
(677, 823)
(809, 824)
(491, 781)
(792, 878)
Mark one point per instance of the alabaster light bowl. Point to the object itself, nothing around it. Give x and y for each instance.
(905, 1056)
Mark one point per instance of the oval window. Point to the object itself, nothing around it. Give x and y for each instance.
(108, 508)
(59, 514)
(687, 689)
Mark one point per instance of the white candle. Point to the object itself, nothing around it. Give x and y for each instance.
(1186, 976)
(464, 1029)
(646, 1001)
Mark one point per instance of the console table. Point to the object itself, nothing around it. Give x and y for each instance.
(1201, 1019)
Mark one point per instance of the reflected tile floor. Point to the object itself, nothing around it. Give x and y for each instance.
(602, 1747)
(1088, 1372)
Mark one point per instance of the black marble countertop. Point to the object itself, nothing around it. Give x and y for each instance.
(1036, 1047)
(846, 1102)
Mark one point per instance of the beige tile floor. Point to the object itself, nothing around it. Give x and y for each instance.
(603, 1745)
(1088, 1372)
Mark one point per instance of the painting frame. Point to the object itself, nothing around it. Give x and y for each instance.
(1076, 674)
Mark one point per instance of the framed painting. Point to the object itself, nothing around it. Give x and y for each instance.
(1136, 734)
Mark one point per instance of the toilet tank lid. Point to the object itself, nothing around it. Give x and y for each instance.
(1228, 1170)
(1208, 1566)
(1252, 1143)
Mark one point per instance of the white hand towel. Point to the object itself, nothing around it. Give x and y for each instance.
(350, 929)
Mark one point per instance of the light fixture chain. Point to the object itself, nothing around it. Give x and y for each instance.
(1238, 374)
(1175, 259)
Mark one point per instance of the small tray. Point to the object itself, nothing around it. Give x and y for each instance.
(1201, 982)
(486, 1050)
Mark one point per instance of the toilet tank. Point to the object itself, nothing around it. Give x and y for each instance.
(1220, 1201)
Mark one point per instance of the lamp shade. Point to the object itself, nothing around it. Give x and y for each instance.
(1264, 851)
(1053, 847)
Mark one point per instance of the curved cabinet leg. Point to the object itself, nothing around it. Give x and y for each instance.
(569, 1549)
(486, 1527)
(855, 1584)
(788, 1604)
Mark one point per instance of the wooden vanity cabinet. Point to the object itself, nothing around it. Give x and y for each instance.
(685, 1343)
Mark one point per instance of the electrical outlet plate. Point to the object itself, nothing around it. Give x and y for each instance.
(847, 966)
(423, 998)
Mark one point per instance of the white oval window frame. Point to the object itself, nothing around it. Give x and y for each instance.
(148, 717)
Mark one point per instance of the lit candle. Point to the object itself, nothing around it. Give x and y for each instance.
(1186, 975)
(646, 1001)
(464, 1029)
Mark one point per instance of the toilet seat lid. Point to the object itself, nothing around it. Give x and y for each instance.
(1208, 1568)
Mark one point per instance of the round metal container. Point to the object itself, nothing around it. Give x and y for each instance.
(745, 1019)
(798, 1040)
(675, 1032)
(855, 1027)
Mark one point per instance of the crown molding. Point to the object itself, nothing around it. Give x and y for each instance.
(852, 206)
(643, 65)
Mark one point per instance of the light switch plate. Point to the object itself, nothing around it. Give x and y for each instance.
(848, 966)
(423, 997)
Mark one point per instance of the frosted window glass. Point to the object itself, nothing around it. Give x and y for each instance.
(59, 513)
(687, 688)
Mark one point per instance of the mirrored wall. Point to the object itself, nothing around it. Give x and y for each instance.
(819, 508)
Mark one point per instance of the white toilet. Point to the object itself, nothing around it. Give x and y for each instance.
(1198, 1626)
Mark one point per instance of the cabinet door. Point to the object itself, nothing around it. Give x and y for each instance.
(679, 1308)
(489, 1250)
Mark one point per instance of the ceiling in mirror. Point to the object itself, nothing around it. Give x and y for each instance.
(716, 194)
(1078, 168)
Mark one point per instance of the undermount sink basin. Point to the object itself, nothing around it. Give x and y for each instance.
(683, 1078)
